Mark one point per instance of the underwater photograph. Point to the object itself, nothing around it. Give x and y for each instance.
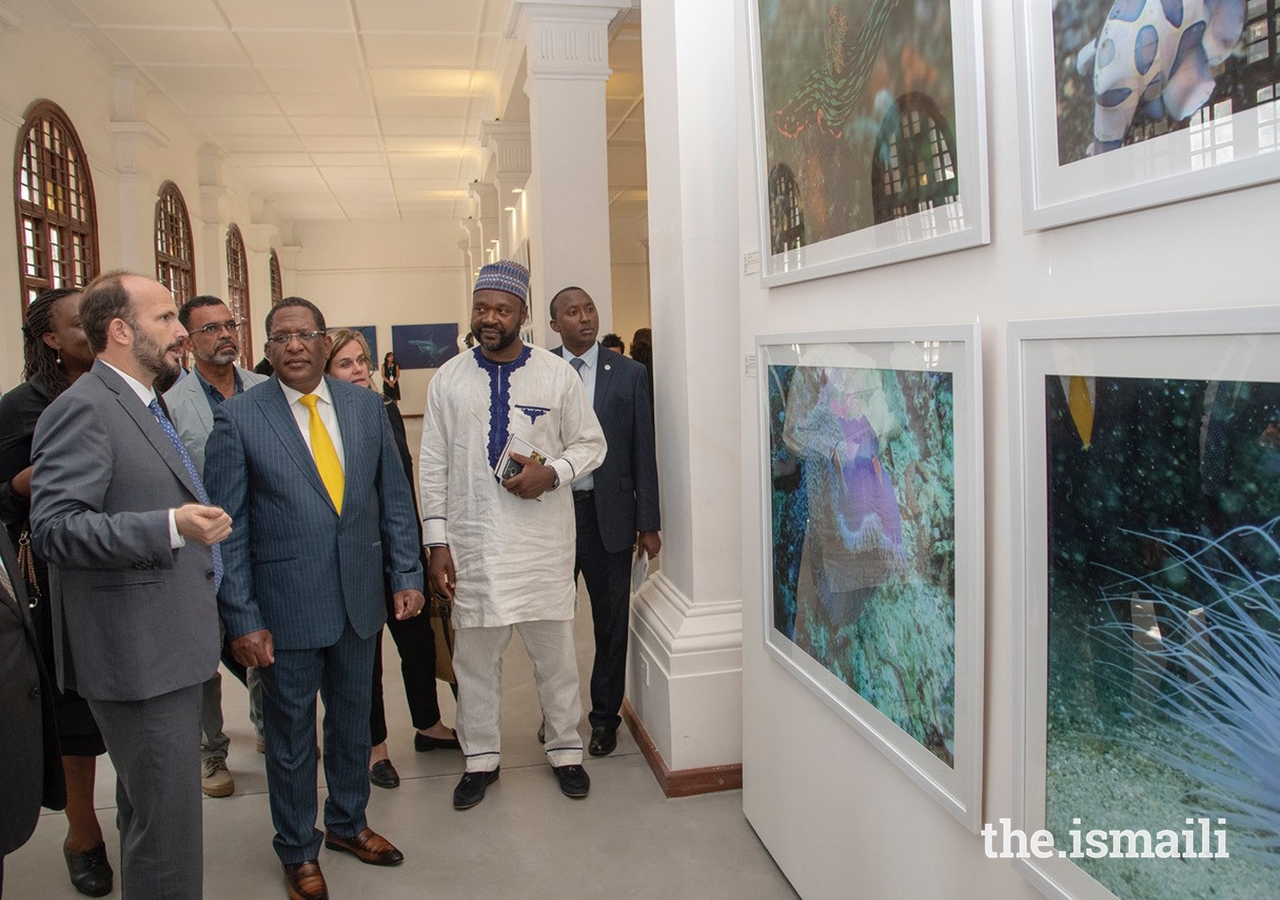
(862, 467)
(1132, 70)
(1163, 709)
(859, 114)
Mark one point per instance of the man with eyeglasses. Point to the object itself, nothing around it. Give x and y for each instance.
(213, 338)
(311, 469)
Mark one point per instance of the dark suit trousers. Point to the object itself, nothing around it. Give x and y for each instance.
(416, 644)
(608, 579)
(341, 674)
(155, 746)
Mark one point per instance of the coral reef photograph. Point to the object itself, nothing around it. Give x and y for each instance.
(1164, 626)
(863, 474)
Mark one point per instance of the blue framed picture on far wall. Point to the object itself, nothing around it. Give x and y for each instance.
(424, 346)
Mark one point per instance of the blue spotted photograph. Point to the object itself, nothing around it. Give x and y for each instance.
(862, 463)
(424, 346)
(1132, 70)
(1163, 704)
(859, 114)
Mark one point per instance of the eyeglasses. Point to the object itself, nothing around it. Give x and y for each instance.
(304, 336)
(230, 326)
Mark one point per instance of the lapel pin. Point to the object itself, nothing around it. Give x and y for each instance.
(607, 367)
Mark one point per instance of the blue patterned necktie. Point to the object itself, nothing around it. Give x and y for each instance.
(172, 434)
(577, 365)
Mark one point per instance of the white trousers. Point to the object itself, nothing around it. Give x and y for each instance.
(477, 663)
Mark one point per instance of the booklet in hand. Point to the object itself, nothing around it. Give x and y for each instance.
(508, 467)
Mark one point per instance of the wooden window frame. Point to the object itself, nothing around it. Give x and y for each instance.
(238, 291)
(175, 249)
(60, 210)
(277, 280)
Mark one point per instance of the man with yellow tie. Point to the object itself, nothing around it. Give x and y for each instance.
(318, 518)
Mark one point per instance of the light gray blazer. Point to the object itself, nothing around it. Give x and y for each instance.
(191, 414)
(132, 617)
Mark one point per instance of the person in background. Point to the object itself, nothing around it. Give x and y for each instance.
(56, 353)
(642, 352)
(30, 770)
(612, 342)
(213, 338)
(415, 640)
(390, 377)
(615, 507)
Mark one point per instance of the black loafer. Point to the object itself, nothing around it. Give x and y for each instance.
(603, 741)
(574, 781)
(90, 872)
(470, 789)
(384, 775)
(425, 743)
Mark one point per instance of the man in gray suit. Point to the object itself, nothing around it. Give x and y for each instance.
(119, 512)
(309, 469)
(212, 334)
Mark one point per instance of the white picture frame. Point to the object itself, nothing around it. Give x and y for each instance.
(872, 235)
(1218, 150)
(940, 368)
(1210, 346)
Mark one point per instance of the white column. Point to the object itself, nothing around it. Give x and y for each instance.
(685, 670)
(258, 239)
(288, 255)
(210, 225)
(568, 194)
(136, 139)
(509, 142)
(486, 201)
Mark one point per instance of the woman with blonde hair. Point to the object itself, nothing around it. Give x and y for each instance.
(349, 360)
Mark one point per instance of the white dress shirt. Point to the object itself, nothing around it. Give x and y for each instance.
(587, 373)
(328, 416)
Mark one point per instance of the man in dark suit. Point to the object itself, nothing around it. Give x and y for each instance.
(309, 469)
(30, 761)
(612, 503)
(120, 514)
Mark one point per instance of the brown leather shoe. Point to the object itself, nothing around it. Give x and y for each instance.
(368, 846)
(305, 881)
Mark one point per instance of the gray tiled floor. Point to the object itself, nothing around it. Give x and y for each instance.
(525, 840)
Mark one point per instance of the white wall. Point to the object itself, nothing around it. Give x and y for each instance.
(83, 85)
(384, 273)
(840, 819)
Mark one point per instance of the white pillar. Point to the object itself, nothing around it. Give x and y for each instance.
(486, 201)
(568, 195)
(258, 240)
(210, 228)
(136, 139)
(685, 668)
(509, 142)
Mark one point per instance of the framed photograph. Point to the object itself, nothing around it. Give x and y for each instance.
(870, 128)
(1146, 491)
(1156, 102)
(424, 346)
(872, 549)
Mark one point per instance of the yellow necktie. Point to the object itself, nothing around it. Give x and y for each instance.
(1081, 408)
(322, 449)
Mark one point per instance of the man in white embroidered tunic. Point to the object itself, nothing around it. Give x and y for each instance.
(504, 550)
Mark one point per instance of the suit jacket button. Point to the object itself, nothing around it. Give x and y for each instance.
(209, 574)
(35, 693)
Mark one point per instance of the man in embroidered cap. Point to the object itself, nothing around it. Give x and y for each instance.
(503, 549)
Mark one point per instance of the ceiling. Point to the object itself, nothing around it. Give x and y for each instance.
(345, 109)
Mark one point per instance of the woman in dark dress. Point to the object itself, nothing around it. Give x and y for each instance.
(56, 353)
(390, 378)
(415, 640)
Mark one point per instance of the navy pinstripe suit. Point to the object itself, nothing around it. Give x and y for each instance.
(314, 579)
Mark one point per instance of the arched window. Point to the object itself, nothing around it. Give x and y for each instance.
(53, 193)
(175, 254)
(786, 220)
(277, 283)
(914, 167)
(238, 291)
